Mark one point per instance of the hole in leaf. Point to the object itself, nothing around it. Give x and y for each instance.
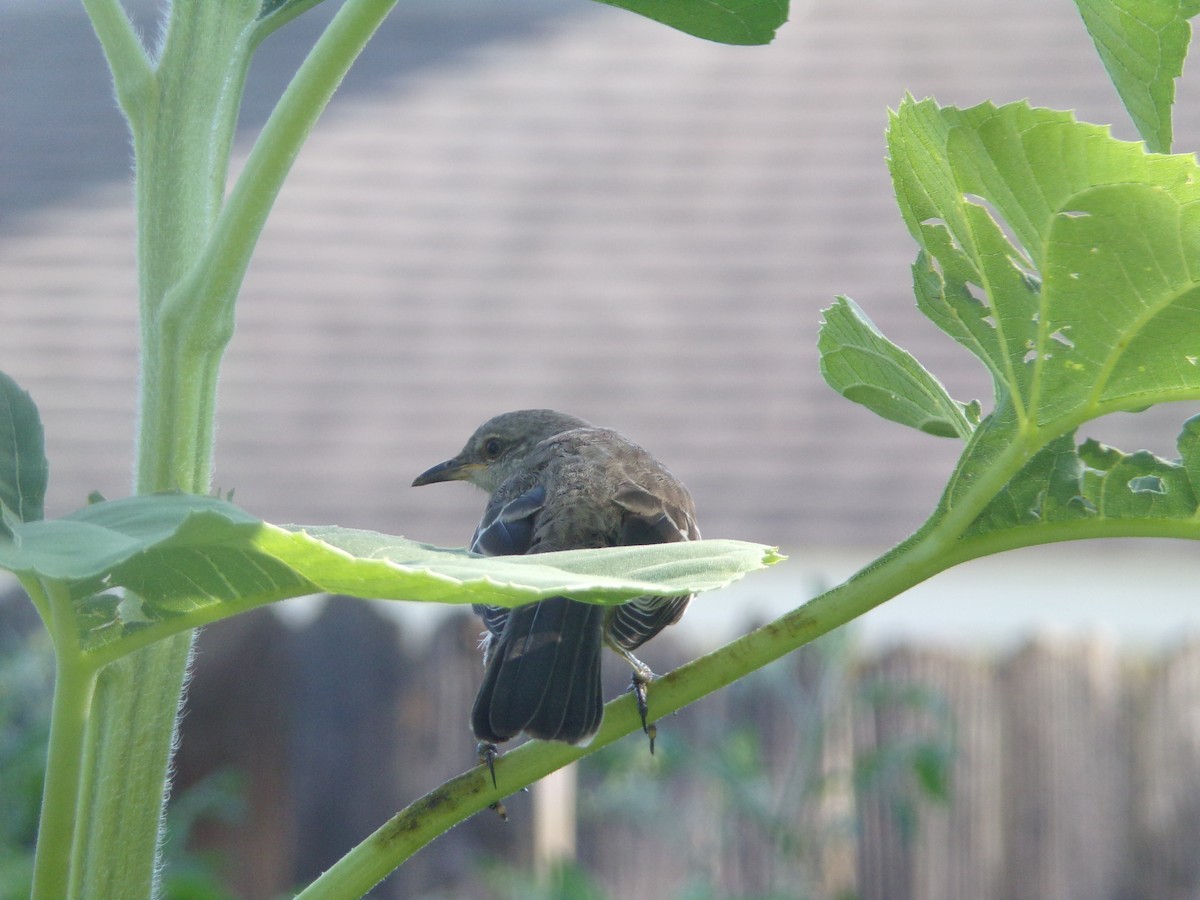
(1147, 484)
(1075, 214)
(1022, 260)
(1062, 338)
(1031, 277)
(976, 293)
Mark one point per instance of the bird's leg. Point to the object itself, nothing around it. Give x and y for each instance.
(487, 755)
(640, 685)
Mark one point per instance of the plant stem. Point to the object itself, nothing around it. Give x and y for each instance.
(132, 75)
(208, 294)
(74, 684)
(372, 860)
(182, 143)
(192, 256)
(182, 135)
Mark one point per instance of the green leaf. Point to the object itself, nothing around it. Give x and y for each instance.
(1061, 257)
(1094, 482)
(23, 466)
(862, 365)
(1048, 488)
(1142, 44)
(724, 21)
(274, 14)
(289, 8)
(181, 560)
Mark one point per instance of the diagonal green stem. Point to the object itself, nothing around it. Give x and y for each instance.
(425, 819)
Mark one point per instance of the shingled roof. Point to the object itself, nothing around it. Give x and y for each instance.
(522, 204)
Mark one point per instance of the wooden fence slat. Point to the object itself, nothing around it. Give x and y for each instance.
(915, 705)
(1067, 776)
(1167, 780)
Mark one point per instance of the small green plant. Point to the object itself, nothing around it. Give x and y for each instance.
(1065, 260)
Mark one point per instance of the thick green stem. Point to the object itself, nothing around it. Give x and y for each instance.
(128, 752)
(182, 142)
(182, 134)
(193, 250)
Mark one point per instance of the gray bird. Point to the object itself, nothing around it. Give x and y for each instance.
(558, 483)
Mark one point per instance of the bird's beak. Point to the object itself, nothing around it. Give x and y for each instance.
(450, 470)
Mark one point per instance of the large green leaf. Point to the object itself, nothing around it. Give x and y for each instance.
(1066, 261)
(23, 466)
(862, 365)
(180, 560)
(724, 21)
(1062, 257)
(1142, 44)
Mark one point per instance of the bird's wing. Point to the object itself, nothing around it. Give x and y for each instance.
(660, 514)
(506, 529)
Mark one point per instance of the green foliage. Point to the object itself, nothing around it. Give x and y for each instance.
(725, 21)
(23, 466)
(145, 567)
(1057, 254)
(1064, 260)
(566, 880)
(1143, 44)
(757, 771)
(187, 874)
(904, 774)
(864, 366)
(26, 673)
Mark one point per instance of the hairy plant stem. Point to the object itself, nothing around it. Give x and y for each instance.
(182, 134)
(113, 730)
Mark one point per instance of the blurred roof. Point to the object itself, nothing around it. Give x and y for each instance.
(535, 204)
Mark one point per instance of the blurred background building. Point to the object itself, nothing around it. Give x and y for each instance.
(556, 203)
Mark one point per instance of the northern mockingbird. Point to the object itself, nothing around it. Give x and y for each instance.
(558, 483)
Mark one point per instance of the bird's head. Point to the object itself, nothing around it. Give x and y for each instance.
(499, 446)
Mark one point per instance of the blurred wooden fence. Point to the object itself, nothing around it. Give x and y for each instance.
(1062, 770)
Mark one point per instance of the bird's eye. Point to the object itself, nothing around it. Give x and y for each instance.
(492, 447)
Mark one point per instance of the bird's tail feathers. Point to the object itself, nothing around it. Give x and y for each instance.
(543, 675)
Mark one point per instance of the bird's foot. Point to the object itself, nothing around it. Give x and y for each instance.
(487, 756)
(488, 752)
(640, 685)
